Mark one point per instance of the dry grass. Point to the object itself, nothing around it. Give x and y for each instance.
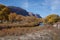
(18, 31)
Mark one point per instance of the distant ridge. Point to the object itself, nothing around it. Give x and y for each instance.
(18, 10)
(23, 12)
(36, 15)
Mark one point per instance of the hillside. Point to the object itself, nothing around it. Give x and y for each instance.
(18, 10)
(12, 15)
(23, 12)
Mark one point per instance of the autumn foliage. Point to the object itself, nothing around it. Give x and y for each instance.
(51, 19)
(13, 18)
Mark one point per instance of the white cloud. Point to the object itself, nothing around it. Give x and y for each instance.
(25, 4)
(54, 4)
(51, 5)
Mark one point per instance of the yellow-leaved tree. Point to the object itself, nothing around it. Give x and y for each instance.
(12, 17)
(51, 19)
(4, 12)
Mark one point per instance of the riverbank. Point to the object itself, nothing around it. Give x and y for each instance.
(30, 33)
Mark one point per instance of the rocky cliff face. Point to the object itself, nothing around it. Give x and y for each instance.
(23, 12)
(36, 15)
(18, 10)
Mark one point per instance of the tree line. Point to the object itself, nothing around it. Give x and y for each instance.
(8, 17)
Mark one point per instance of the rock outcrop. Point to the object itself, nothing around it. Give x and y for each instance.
(23, 12)
(36, 15)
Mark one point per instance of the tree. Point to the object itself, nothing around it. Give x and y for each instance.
(19, 18)
(51, 19)
(12, 17)
(2, 6)
(4, 12)
(32, 20)
(59, 18)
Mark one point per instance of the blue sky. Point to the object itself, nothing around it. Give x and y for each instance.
(41, 7)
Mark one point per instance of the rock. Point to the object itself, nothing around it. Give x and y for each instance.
(23, 12)
(36, 15)
(18, 10)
